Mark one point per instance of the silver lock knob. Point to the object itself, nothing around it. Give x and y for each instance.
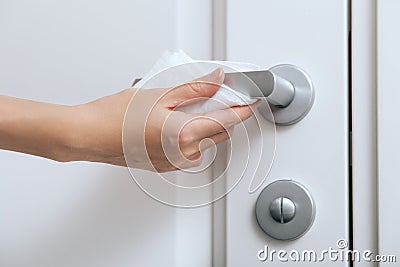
(285, 210)
(282, 210)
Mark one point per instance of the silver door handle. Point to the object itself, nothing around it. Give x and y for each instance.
(277, 90)
(287, 88)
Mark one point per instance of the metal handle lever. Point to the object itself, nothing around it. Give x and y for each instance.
(287, 88)
(277, 90)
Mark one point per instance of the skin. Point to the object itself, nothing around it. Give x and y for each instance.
(71, 133)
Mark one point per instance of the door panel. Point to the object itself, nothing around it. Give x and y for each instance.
(388, 70)
(311, 34)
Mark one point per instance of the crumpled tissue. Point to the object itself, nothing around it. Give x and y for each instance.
(224, 97)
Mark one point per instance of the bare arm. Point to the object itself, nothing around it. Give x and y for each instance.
(93, 131)
(35, 128)
(88, 132)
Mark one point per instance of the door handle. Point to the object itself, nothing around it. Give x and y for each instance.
(277, 90)
(287, 88)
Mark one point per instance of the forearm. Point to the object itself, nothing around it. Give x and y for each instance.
(87, 132)
(35, 128)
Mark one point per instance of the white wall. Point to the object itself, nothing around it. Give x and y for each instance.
(80, 214)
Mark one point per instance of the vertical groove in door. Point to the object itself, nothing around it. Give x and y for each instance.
(350, 207)
(364, 125)
(218, 223)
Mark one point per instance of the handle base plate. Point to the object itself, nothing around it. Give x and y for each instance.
(303, 96)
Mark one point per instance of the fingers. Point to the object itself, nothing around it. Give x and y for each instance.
(215, 139)
(217, 121)
(196, 157)
(202, 87)
(193, 134)
(203, 132)
(195, 147)
(216, 76)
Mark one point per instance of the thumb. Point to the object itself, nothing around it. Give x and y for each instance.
(205, 86)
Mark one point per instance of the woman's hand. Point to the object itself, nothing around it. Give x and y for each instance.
(142, 123)
(159, 137)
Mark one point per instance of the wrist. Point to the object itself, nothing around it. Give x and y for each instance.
(79, 137)
(94, 131)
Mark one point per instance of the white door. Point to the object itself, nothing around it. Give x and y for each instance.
(313, 35)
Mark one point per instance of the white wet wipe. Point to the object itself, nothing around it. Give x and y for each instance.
(186, 69)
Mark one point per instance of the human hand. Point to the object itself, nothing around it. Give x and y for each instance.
(156, 136)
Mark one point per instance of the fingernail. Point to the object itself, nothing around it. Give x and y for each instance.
(217, 74)
(257, 103)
